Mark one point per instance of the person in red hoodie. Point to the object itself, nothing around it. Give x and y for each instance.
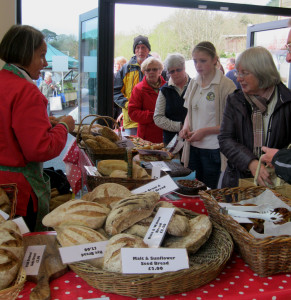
(28, 136)
(143, 99)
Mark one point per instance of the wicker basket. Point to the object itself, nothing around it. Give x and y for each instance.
(205, 265)
(266, 256)
(11, 191)
(12, 292)
(98, 154)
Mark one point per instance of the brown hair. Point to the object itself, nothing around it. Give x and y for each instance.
(206, 47)
(19, 43)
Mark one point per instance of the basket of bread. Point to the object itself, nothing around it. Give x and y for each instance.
(8, 197)
(124, 172)
(268, 254)
(12, 274)
(113, 214)
(100, 143)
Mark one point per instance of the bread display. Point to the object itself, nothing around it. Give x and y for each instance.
(77, 212)
(109, 193)
(200, 230)
(11, 252)
(112, 256)
(129, 211)
(5, 204)
(71, 235)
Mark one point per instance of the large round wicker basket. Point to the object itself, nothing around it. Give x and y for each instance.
(205, 265)
(12, 292)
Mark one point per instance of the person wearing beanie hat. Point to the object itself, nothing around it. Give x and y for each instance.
(128, 77)
(139, 40)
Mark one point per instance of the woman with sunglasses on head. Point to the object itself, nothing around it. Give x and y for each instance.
(143, 99)
(170, 112)
(205, 100)
(257, 115)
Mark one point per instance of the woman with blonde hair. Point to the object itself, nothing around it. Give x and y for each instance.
(205, 100)
(143, 99)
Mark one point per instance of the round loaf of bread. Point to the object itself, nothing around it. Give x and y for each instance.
(200, 230)
(11, 252)
(71, 235)
(112, 256)
(77, 212)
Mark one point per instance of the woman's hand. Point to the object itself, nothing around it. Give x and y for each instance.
(264, 175)
(54, 121)
(269, 154)
(184, 133)
(69, 121)
(197, 135)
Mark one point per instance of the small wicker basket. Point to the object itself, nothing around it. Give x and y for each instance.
(266, 256)
(11, 191)
(205, 265)
(12, 292)
(98, 154)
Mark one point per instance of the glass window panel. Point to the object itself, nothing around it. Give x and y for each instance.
(274, 3)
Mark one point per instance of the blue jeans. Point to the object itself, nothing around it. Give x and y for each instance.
(207, 164)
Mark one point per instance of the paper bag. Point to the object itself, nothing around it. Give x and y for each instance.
(55, 103)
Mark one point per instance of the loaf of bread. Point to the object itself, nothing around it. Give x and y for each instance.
(11, 252)
(78, 212)
(109, 134)
(179, 223)
(129, 211)
(5, 204)
(112, 257)
(140, 228)
(108, 193)
(200, 230)
(105, 143)
(71, 235)
(105, 167)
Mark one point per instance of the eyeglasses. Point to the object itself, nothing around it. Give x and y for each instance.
(288, 48)
(241, 75)
(152, 69)
(176, 70)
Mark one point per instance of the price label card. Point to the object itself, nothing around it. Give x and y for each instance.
(21, 225)
(156, 172)
(82, 252)
(163, 185)
(161, 164)
(32, 259)
(4, 215)
(158, 227)
(153, 260)
(125, 143)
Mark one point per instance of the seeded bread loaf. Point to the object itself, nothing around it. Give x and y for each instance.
(78, 212)
(129, 211)
(11, 252)
(112, 257)
(200, 230)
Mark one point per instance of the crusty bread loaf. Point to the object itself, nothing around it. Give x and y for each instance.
(112, 257)
(5, 204)
(78, 212)
(139, 172)
(179, 223)
(107, 193)
(200, 230)
(71, 235)
(118, 174)
(109, 134)
(140, 228)
(105, 143)
(129, 211)
(105, 167)
(11, 252)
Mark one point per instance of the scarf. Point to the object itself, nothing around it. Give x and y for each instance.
(260, 107)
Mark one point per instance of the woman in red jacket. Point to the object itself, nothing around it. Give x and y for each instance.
(27, 137)
(143, 99)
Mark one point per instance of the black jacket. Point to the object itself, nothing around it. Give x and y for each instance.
(282, 163)
(236, 132)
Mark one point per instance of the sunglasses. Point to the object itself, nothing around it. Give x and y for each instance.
(152, 69)
(176, 70)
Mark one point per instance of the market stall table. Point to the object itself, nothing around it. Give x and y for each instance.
(237, 280)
